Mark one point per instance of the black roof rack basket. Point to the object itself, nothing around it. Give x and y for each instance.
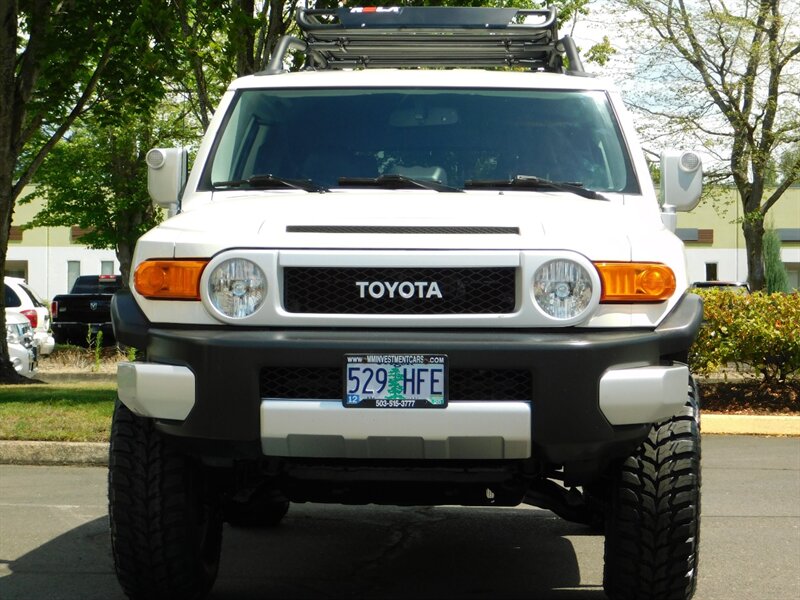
(393, 37)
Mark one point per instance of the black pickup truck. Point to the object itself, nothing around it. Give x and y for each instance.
(86, 309)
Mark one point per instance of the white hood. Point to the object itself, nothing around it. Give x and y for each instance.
(348, 219)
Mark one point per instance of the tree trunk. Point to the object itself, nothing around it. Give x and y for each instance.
(8, 35)
(125, 258)
(753, 229)
(7, 372)
(243, 38)
(276, 26)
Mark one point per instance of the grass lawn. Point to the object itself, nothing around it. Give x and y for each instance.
(74, 412)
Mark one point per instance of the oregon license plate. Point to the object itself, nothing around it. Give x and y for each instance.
(395, 381)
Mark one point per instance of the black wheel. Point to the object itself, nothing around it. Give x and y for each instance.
(265, 508)
(166, 527)
(653, 524)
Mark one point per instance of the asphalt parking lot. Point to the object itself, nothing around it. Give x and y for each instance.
(54, 541)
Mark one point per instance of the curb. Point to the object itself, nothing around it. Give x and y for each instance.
(14, 452)
(76, 377)
(88, 454)
(749, 424)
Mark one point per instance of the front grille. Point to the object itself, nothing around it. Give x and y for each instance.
(399, 291)
(463, 384)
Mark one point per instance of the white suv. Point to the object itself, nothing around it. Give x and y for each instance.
(21, 348)
(22, 299)
(386, 283)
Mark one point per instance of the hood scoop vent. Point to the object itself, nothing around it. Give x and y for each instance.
(399, 229)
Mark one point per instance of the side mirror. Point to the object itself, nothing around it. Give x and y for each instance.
(166, 176)
(681, 179)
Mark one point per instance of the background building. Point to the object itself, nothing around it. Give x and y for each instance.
(51, 258)
(715, 248)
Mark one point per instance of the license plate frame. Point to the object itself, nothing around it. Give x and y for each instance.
(375, 381)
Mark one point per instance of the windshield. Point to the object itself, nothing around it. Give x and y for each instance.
(448, 136)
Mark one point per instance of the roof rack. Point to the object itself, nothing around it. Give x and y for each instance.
(405, 36)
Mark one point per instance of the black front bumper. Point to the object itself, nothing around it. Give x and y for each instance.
(566, 366)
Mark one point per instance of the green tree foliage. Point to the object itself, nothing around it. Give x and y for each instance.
(97, 179)
(759, 332)
(210, 43)
(58, 60)
(777, 278)
(601, 53)
(727, 73)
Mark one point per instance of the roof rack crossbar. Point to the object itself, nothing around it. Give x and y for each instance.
(347, 38)
(428, 17)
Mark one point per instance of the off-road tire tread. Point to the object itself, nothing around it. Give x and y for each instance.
(652, 534)
(165, 536)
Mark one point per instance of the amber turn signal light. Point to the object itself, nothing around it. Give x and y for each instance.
(635, 282)
(169, 279)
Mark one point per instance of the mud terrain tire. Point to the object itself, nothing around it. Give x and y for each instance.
(166, 528)
(653, 524)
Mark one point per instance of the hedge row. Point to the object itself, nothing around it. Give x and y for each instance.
(758, 332)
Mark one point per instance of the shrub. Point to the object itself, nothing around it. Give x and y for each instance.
(777, 279)
(758, 331)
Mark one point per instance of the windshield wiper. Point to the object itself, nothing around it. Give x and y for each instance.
(396, 182)
(271, 181)
(532, 182)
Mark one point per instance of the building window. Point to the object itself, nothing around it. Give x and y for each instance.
(793, 271)
(73, 272)
(786, 234)
(17, 268)
(106, 267)
(15, 234)
(711, 272)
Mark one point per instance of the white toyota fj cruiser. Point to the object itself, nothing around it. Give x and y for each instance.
(429, 268)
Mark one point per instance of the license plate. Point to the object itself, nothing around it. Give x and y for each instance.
(395, 381)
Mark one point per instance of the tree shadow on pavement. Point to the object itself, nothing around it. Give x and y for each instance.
(331, 551)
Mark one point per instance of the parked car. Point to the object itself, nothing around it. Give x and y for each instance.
(20, 298)
(741, 287)
(86, 310)
(22, 350)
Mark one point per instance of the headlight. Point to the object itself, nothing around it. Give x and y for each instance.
(562, 289)
(237, 288)
(12, 334)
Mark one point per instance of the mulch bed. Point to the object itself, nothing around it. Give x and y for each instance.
(750, 397)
